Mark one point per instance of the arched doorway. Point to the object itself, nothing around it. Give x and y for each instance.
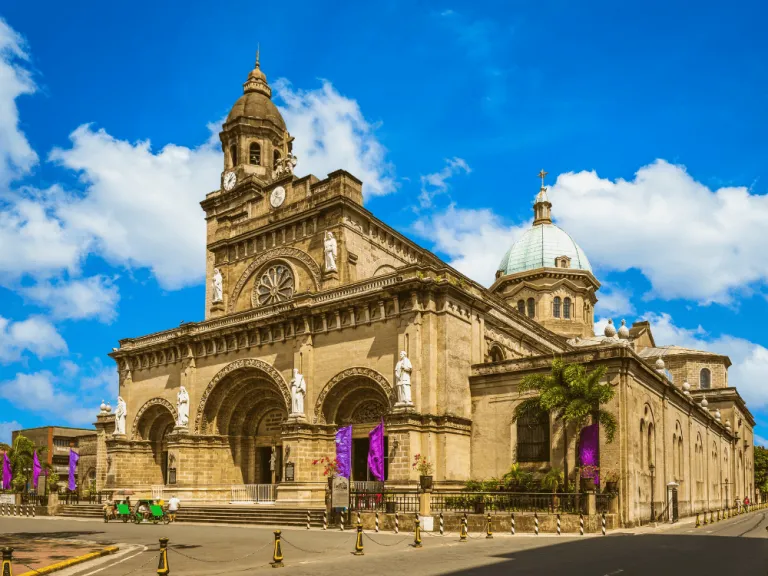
(154, 422)
(359, 397)
(247, 404)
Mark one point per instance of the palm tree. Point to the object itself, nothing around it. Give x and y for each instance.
(572, 395)
(21, 455)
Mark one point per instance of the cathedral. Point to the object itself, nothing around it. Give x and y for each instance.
(320, 315)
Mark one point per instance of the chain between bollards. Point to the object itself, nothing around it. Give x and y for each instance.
(162, 565)
(7, 561)
(359, 541)
(277, 553)
(417, 534)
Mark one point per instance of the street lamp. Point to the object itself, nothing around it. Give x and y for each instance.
(652, 468)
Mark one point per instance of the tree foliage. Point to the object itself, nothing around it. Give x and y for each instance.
(761, 468)
(21, 455)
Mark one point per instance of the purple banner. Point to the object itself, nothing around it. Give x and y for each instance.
(344, 450)
(73, 459)
(36, 469)
(376, 452)
(7, 474)
(589, 448)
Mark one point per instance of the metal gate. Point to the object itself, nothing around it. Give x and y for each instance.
(675, 514)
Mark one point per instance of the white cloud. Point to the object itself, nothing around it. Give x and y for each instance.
(332, 134)
(44, 393)
(437, 182)
(93, 297)
(690, 241)
(16, 155)
(6, 430)
(35, 334)
(473, 240)
(614, 301)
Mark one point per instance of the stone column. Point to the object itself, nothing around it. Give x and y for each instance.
(305, 443)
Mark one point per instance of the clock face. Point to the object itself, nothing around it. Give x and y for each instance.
(230, 178)
(277, 197)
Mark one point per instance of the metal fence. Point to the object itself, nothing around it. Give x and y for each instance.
(384, 501)
(254, 494)
(483, 502)
(603, 502)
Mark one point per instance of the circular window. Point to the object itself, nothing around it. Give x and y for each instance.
(275, 285)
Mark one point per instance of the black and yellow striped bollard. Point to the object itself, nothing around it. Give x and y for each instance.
(463, 529)
(162, 565)
(711, 517)
(698, 521)
(277, 554)
(417, 534)
(705, 518)
(359, 541)
(7, 561)
(488, 528)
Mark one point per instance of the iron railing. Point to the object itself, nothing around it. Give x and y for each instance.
(254, 494)
(603, 502)
(384, 501)
(484, 502)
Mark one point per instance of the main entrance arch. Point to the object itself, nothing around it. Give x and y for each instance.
(153, 423)
(246, 402)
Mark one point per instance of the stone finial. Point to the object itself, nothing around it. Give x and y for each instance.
(108, 409)
(717, 414)
(704, 403)
(102, 408)
(610, 329)
(686, 389)
(623, 330)
(660, 366)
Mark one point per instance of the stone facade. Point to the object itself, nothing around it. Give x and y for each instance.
(281, 298)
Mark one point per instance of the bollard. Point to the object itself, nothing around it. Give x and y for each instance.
(711, 517)
(417, 534)
(558, 524)
(581, 524)
(309, 519)
(717, 518)
(442, 527)
(536, 523)
(162, 565)
(698, 524)
(341, 520)
(513, 523)
(277, 555)
(359, 541)
(14, 509)
(325, 519)
(603, 523)
(488, 531)
(463, 530)
(377, 520)
(7, 562)
(397, 523)
(705, 518)
(358, 516)
(33, 511)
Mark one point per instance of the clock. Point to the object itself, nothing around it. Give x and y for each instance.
(277, 197)
(230, 179)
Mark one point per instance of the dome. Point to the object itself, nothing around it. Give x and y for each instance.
(539, 247)
(256, 101)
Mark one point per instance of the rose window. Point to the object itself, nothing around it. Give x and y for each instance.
(276, 285)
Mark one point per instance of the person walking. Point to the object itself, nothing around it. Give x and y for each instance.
(173, 507)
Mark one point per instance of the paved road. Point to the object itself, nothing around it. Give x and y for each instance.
(736, 546)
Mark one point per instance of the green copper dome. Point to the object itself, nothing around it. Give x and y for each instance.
(539, 247)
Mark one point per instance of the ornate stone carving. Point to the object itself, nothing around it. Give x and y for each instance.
(182, 406)
(403, 371)
(275, 285)
(121, 412)
(147, 405)
(330, 250)
(218, 286)
(270, 371)
(298, 391)
(357, 371)
(258, 262)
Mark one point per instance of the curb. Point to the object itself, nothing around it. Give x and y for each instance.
(71, 562)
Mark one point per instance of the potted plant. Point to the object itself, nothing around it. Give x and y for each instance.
(551, 482)
(588, 474)
(611, 483)
(479, 505)
(424, 467)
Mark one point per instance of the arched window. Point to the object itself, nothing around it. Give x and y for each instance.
(531, 308)
(556, 307)
(254, 153)
(567, 308)
(705, 379)
(532, 439)
(233, 154)
(674, 456)
(651, 441)
(521, 306)
(275, 158)
(496, 354)
(642, 444)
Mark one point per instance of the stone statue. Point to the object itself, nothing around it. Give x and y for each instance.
(120, 414)
(298, 391)
(329, 245)
(182, 408)
(218, 286)
(273, 460)
(403, 371)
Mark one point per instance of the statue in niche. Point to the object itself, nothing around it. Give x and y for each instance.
(120, 415)
(182, 408)
(298, 391)
(273, 460)
(403, 371)
(218, 285)
(330, 249)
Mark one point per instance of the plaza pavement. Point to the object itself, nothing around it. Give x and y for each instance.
(736, 546)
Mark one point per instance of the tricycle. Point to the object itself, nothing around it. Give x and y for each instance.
(151, 511)
(120, 511)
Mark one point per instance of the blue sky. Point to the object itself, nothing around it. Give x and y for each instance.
(650, 119)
